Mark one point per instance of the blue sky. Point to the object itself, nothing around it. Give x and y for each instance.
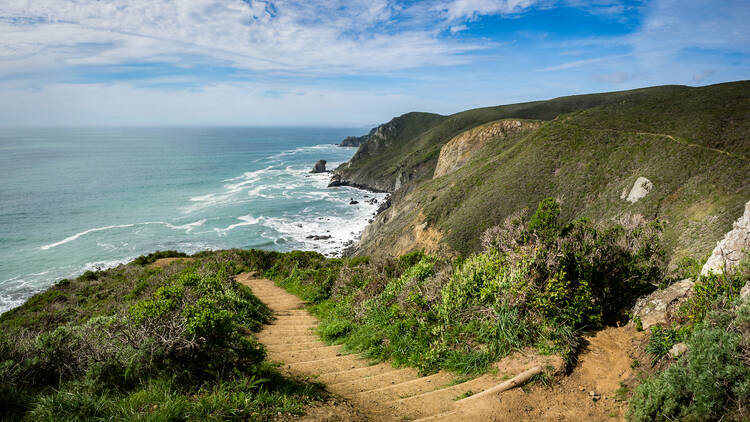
(345, 62)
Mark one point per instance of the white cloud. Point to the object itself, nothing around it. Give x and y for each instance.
(463, 9)
(672, 26)
(336, 36)
(244, 103)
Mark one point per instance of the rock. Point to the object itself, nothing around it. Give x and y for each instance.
(353, 202)
(459, 150)
(319, 167)
(353, 141)
(640, 189)
(745, 292)
(384, 205)
(678, 350)
(730, 250)
(657, 307)
(318, 237)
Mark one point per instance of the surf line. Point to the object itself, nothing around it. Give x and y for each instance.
(188, 227)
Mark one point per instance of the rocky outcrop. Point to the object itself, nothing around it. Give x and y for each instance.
(379, 161)
(353, 141)
(459, 150)
(640, 189)
(731, 249)
(337, 180)
(657, 307)
(319, 167)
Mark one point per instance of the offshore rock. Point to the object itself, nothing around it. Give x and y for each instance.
(319, 167)
(729, 251)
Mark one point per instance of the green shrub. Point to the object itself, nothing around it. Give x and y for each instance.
(205, 319)
(152, 257)
(712, 291)
(710, 382)
(661, 340)
(544, 223)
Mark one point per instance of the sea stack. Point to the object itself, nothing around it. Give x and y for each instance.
(319, 167)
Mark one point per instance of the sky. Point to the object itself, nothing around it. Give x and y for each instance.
(352, 63)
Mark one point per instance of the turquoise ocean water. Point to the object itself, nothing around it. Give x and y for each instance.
(77, 199)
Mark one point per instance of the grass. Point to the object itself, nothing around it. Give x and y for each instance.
(138, 342)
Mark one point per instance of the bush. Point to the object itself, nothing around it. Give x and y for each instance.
(710, 382)
(152, 257)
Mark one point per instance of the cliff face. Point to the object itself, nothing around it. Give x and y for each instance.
(461, 148)
(729, 251)
(353, 141)
(376, 164)
(700, 175)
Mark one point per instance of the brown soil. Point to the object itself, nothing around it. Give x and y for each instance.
(381, 392)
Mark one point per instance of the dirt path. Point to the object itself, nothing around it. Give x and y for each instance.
(386, 393)
(380, 390)
(604, 367)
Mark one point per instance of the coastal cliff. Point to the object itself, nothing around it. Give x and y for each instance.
(452, 177)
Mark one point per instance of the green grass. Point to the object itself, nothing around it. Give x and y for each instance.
(138, 342)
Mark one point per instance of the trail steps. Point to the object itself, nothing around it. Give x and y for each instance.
(387, 393)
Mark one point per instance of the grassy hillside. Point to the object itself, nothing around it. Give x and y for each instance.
(690, 142)
(412, 148)
(144, 342)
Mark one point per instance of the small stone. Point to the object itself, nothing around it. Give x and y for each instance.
(581, 388)
(678, 350)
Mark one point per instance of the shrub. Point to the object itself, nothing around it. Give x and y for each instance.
(544, 223)
(710, 292)
(710, 382)
(152, 257)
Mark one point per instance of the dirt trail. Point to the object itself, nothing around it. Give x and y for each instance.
(604, 366)
(387, 393)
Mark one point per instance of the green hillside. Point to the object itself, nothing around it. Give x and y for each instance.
(416, 138)
(692, 143)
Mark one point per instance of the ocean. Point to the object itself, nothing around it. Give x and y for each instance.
(78, 199)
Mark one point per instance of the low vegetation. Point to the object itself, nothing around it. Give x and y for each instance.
(537, 284)
(711, 381)
(143, 342)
